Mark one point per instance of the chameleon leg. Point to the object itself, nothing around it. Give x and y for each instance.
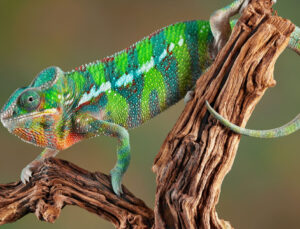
(220, 26)
(123, 158)
(92, 126)
(27, 171)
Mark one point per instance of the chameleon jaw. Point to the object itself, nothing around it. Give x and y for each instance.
(5, 117)
(7, 121)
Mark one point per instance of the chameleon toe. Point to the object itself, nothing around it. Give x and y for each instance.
(26, 174)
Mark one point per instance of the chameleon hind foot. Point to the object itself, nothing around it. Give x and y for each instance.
(189, 96)
(220, 24)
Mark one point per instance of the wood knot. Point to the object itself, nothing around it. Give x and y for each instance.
(134, 219)
(47, 212)
(51, 214)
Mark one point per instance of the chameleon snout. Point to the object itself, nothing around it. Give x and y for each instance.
(5, 117)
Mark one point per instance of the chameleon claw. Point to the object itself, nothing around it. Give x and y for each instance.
(23, 180)
(29, 173)
(116, 178)
(189, 96)
(26, 174)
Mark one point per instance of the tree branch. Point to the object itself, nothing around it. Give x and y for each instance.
(196, 155)
(199, 152)
(59, 183)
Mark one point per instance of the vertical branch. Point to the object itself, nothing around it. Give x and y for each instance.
(199, 152)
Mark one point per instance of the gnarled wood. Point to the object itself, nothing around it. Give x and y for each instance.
(199, 152)
(59, 183)
(194, 158)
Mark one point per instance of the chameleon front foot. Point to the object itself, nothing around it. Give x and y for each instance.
(116, 181)
(27, 172)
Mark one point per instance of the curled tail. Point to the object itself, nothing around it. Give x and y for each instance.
(285, 130)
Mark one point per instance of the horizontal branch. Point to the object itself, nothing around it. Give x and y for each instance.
(59, 183)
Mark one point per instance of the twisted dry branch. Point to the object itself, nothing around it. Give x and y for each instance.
(59, 183)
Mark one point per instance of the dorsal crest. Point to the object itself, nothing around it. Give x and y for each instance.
(47, 77)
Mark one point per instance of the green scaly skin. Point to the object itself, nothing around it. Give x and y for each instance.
(108, 97)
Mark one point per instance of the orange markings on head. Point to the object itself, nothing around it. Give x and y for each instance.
(35, 137)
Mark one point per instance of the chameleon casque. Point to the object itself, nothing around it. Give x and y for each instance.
(120, 92)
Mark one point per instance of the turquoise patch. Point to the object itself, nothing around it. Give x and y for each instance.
(13, 98)
(46, 76)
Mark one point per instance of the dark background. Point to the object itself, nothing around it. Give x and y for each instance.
(263, 188)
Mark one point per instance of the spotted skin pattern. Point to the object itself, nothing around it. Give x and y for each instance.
(110, 96)
(155, 73)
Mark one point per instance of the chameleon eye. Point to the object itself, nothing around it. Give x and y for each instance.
(30, 100)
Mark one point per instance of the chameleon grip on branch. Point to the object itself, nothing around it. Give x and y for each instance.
(120, 92)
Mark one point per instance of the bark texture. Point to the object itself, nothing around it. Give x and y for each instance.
(196, 155)
(59, 183)
(199, 152)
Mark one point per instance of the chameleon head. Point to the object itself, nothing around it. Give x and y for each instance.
(34, 113)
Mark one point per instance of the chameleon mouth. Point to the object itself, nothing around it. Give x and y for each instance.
(7, 120)
(6, 114)
(5, 117)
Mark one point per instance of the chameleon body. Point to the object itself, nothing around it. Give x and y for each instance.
(108, 97)
(120, 92)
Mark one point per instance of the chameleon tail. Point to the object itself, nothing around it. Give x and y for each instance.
(285, 130)
(294, 43)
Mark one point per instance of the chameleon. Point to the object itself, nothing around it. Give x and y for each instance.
(117, 93)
